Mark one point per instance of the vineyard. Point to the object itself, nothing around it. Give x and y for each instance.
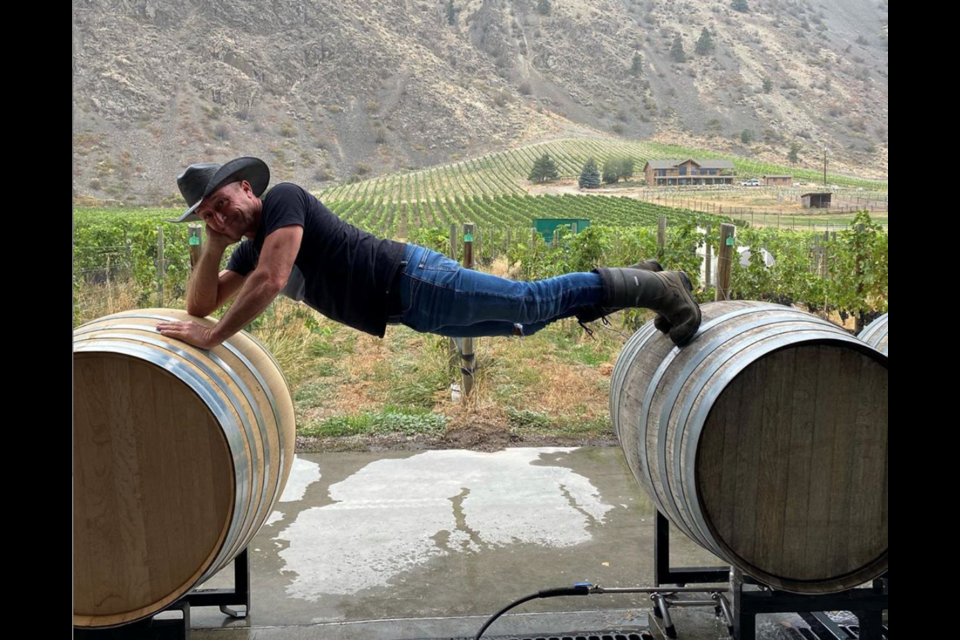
(505, 173)
(400, 219)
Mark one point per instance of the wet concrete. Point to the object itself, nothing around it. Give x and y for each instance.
(404, 545)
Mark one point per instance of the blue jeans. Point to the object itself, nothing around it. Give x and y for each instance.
(439, 296)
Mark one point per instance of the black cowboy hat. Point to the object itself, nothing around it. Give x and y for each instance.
(201, 179)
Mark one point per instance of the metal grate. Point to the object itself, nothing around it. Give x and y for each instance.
(847, 632)
(591, 635)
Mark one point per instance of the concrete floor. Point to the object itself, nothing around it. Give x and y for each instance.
(415, 545)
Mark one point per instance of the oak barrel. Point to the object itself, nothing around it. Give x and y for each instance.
(180, 455)
(764, 440)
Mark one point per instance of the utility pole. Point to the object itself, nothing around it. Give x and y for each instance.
(824, 166)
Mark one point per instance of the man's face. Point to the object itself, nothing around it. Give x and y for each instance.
(231, 210)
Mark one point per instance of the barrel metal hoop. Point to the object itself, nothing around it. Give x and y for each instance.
(876, 333)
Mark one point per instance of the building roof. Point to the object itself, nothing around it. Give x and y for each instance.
(709, 163)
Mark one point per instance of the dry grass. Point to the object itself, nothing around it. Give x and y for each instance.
(94, 301)
(282, 332)
(409, 372)
(500, 267)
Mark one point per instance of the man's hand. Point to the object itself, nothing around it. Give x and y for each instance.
(190, 332)
(220, 240)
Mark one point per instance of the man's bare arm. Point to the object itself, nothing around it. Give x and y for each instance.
(228, 284)
(204, 294)
(260, 287)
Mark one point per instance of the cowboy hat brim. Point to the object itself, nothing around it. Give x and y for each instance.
(253, 170)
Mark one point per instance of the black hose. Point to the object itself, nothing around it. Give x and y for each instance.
(575, 590)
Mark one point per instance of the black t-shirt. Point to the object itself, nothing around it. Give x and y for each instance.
(341, 271)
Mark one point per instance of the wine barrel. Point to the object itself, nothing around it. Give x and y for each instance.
(764, 440)
(875, 334)
(180, 455)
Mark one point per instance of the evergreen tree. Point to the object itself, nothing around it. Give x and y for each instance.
(741, 6)
(544, 169)
(705, 43)
(590, 176)
(637, 66)
(676, 51)
(451, 14)
(793, 156)
(543, 7)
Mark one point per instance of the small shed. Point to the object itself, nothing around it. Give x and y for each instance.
(777, 181)
(816, 200)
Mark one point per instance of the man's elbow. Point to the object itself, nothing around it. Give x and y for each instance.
(273, 283)
(199, 310)
(275, 286)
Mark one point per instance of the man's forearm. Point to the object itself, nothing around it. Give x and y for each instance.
(257, 293)
(202, 289)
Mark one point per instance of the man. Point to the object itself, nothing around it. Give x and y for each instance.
(299, 248)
